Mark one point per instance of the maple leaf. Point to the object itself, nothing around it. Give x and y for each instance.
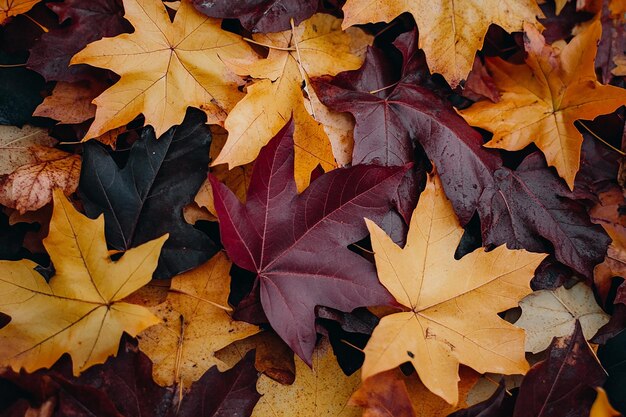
(316, 47)
(522, 208)
(451, 31)
(297, 244)
(259, 15)
(438, 292)
(547, 314)
(530, 204)
(145, 198)
(83, 22)
(561, 385)
(321, 391)
(542, 99)
(29, 187)
(82, 306)
(388, 120)
(10, 8)
(196, 306)
(165, 67)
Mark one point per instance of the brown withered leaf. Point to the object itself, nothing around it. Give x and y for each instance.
(15, 143)
(70, 103)
(29, 187)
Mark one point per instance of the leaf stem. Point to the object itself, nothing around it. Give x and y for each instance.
(613, 148)
(269, 46)
(42, 27)
(384, 88)
(12, 65)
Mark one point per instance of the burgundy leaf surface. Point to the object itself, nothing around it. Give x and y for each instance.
(232, 393)
(90, 20)
(563, 384)
(259, 15)
(298, 244)
(530, 205)
(390, 117)
(524, 208)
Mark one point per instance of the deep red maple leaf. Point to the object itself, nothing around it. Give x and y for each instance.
(298, 244)
(522, 208)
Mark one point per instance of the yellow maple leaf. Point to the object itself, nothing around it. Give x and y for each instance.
(450, 31)
(451, 305)
(10, 8)
(314, 48)
(542, 99)
(195, 324)
(321, 391)
(79, 311)
(165, 67)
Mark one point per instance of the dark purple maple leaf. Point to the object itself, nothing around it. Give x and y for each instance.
(525, 208)
(530, 205)
(259, 15)
(90, 20)
(390, 117)
(298, 244)
(563, 384)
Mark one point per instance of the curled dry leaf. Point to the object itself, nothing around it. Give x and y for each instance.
(282, 91)
(542, 99)
(450, 305)
(451, 31)
(196, 307)
(165, 67)
(321, 391)
(82, 304)
(29, 187)
(553, 313)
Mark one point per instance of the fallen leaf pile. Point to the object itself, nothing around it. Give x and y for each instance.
(377, 208)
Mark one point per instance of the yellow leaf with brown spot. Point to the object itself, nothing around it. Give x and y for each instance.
(450, 31)
(165, 67)
(195, 324)
(282, 90)
(30, 187)
(542, 99)
(82, 304)
(450, 305)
